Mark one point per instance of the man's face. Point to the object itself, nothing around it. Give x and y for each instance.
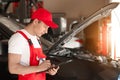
(40, 28)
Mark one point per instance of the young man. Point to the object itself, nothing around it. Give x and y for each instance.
(26, 57)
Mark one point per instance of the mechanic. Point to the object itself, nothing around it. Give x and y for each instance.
(26, 57)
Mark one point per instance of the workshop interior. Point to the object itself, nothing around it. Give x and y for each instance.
(86, 45)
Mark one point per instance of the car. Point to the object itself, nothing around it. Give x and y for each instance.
(84, 65)
(75, 63)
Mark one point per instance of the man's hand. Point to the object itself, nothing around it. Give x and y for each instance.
(45, 65)
(52, 70)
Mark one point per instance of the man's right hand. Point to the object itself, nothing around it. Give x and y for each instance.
(45, 65)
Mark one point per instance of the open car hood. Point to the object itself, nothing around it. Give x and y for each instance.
(102, 12)
(8, 26)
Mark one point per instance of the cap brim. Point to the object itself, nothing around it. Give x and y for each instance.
(51, 24)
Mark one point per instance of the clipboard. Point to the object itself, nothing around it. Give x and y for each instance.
(61, 63)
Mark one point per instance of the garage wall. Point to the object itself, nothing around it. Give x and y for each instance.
(74, 8)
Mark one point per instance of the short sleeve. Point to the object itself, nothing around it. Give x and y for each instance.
(16, 44)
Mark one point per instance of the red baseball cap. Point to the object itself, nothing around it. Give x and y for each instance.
(45, 16)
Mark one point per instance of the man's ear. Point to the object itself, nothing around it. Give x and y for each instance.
(35, 21)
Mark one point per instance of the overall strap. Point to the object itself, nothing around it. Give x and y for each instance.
(24, 35)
